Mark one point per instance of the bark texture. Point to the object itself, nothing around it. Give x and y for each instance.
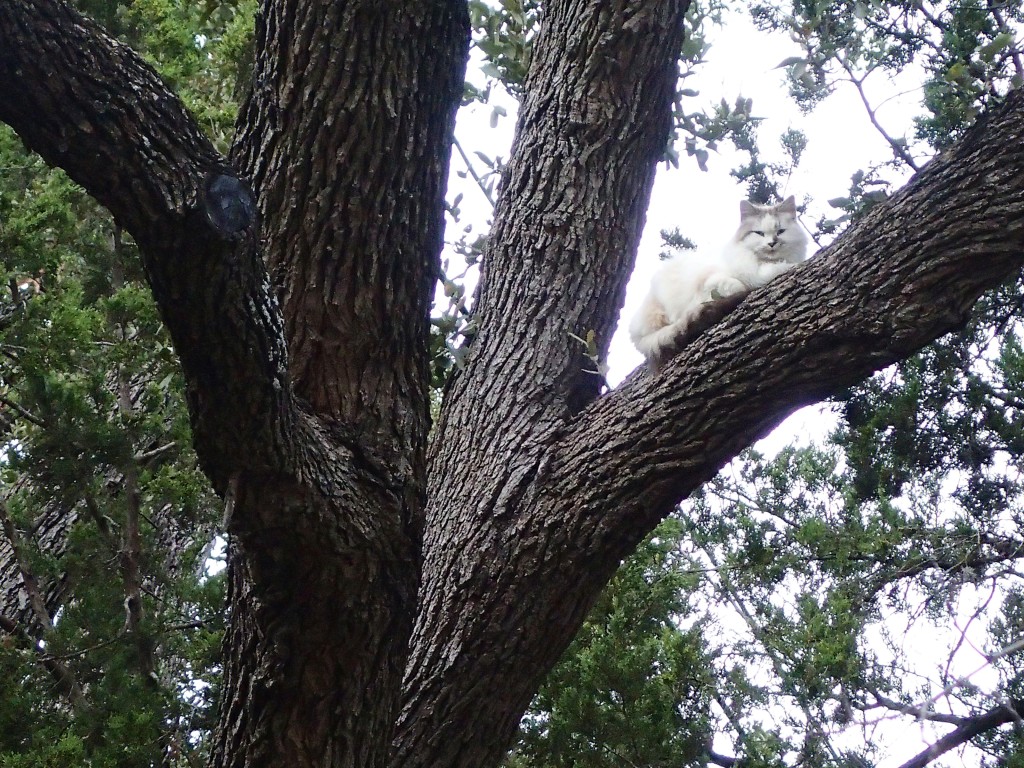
(592, 128)
(325, 490)
(308, 383)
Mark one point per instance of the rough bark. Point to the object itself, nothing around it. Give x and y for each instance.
(91, 106)
(532, 507)
(324, 511)
(353, 236)
(592, 128)
(364, 93)
(537, 485)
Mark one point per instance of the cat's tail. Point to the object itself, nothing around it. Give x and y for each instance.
(651, 331)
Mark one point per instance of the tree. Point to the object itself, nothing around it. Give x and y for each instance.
(390, 603)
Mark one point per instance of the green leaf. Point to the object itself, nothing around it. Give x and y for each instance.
(956, 73)
(998, 43)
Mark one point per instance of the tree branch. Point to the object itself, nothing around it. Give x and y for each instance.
(130, 554)
(471, 169)
(138, 152)
(558, 501)
(971, 728)
(324, 530)
(21, 411)
(916, 711)
(61, 673)
(873, 297)
(1000, 17)
(898, 150)
(725, 761)
(591, 128)
(28, 580)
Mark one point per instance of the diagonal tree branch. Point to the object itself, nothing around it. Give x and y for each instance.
(882, 291)
(972, 727)
(138, 152)
(556, 501)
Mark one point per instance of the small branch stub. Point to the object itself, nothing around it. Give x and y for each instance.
(230, 206)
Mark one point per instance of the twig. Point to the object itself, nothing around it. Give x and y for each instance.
(963, 632)
(1013, 647)
(26, 414)
(131, 540)
(151, 454)
(81, 653)
(1018, 65)
(61, 674)
(942, 26)
(472, 171)
(896, 147)
(909, 709)
(777, 662)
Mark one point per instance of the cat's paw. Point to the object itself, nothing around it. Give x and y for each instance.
(720, 286)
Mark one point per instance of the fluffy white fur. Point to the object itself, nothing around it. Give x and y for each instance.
(769, 241)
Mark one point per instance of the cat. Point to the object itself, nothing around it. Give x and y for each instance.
(768, 242)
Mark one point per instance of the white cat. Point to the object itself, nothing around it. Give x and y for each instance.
(768, 242)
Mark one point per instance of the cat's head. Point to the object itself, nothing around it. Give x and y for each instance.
(771, 232)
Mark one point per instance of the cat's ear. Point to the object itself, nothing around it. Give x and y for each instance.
(747, 210)
(788, 206)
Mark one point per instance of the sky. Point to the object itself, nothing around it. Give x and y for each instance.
(705, 206)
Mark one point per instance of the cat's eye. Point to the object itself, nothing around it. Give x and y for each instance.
(780, 231)
(759, 233)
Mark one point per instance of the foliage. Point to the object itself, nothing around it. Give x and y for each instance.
(97, 445)
(110, 519)
(632, 689)
(908, 515)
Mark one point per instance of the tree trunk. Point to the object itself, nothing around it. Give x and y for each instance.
(592, 128)
(308, 384)
(322, 463)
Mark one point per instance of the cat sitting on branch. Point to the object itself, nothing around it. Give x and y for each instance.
(692, 291)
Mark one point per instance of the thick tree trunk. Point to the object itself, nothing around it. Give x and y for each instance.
(308, 389)
(322, 465)
(353, 235)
